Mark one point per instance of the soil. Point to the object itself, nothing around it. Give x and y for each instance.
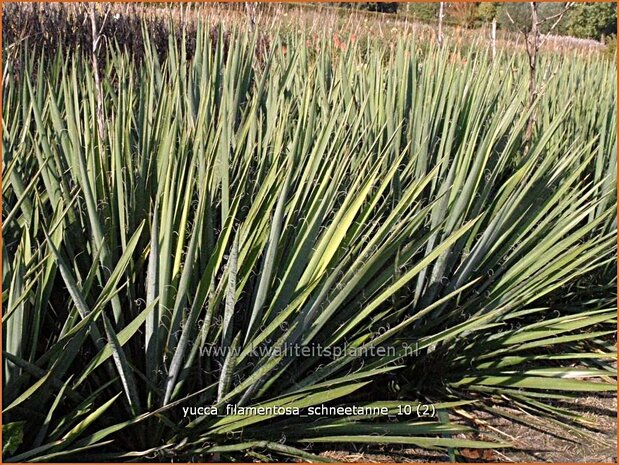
(555, 444)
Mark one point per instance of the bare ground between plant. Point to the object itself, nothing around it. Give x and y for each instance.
(530, 444)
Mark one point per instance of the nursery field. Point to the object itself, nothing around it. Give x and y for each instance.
(232, 245)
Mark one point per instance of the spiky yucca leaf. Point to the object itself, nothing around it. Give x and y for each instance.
(247, 200)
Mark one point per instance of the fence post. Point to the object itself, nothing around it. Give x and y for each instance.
(440, 22)
(493, 38)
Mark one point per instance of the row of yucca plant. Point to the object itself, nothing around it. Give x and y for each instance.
(367, 197)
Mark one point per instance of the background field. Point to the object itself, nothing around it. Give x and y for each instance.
(228, 177)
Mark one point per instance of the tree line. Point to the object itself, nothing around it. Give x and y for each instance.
(584, 20)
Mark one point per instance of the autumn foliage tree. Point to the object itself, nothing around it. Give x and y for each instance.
(463, 14)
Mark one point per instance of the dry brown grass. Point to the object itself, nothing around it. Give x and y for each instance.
(55, 26)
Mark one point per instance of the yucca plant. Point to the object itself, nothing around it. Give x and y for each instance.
(367, 198)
